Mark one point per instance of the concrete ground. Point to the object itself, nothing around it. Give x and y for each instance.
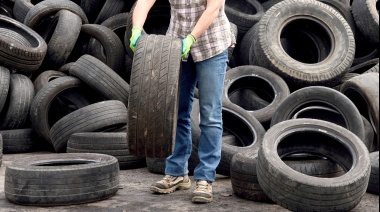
(134, 195)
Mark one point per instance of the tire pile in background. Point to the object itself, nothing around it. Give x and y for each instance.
(300, 101)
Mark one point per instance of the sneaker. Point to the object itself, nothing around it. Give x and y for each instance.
(171, 183)
(203, 192)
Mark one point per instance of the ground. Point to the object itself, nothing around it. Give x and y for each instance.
(134, 195)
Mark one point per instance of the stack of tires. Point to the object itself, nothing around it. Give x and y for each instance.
(300, 99)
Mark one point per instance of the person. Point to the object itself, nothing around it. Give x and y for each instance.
(206, 35)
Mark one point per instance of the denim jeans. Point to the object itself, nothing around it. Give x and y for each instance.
(209, 76)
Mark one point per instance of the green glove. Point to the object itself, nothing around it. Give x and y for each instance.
(136, 33)
(186, 45)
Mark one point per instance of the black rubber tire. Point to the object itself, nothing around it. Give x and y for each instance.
(21, 8)
(16, 110)
(5, 78)
(97, 117)
(61, 179)
(321, 96)
(109, 9)
(374, 69)
(156, 165)
(113, 47)
(157, 22)
(106, 143)
(364, 67)
(49, 7)
(18, 141)
(288, 16)
(244, 176)
(101, 78)
(296, 191)
(45, 77)
(366, 17)
(24, 52)
(92, 8)
(362, 91)
(153, 99)
(115, 23)
(373, 186)
(47, 109)
(243, 13)
(66, 68)
(266, 84)
(343, 9)
(6, 9)
(61, 36)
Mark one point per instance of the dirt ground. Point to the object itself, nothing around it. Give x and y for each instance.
(134, 195)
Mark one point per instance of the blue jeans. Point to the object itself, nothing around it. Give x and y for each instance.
(209, 75)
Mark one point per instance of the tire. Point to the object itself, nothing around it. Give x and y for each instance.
(115, 23)
(244, 13)
(284, 20)
(81, 178)
(266, 84)
(99, 117)
(45, 77)
(101, 78)
(321, 96)
(106, 143)
(109, 9)
(366, 17)
(61, 36)
(113, 47)
(374, 69)
(21, 8)
(6, 9)
(5, 79)
(18, 141)
(23, 49)
(364, 67)
(16, 111)
(47, 109)
(49, 7)
(92, 8)
(157, 22)
(343, 9)
(66, 68)
(296, 191)
(244, 176)
(373, 186)
(153, 99)
(362, 91)
(156, 165)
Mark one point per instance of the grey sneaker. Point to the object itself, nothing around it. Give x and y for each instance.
(171, 183)
(203, 192)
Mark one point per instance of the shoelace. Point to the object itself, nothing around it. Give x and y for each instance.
(202, 187)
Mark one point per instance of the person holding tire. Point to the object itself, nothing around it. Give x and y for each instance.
(205, 32)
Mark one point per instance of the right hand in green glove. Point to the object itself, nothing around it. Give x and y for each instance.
(136, 33)
(186, 45)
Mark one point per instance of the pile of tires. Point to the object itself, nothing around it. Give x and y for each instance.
(300, 99)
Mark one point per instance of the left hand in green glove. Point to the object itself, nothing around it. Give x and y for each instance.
(186, 45)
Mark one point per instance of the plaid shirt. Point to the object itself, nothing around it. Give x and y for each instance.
(216, 39)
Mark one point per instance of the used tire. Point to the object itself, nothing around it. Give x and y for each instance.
(101, 116)
(18, 141)
(61, 179)
(5, 78)
(105, 143)
(296, 191)
(20, 47)
(45, 77)
(321, 96)
(153, 98)
(373, 186)
(16, 110)
(267, 86)
(366, 16)
(109, 9)
(364, 93)
(1, 149)
(101, 78)
(304, 67)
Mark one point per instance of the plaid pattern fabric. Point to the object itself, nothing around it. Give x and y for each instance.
(216, 39)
